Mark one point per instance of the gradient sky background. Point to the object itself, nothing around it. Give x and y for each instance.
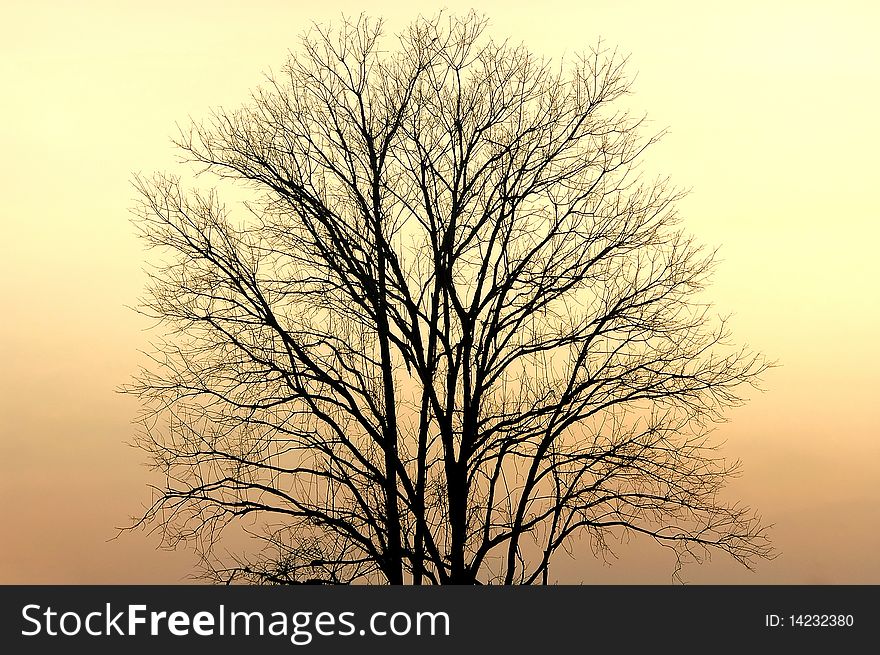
(772, 114)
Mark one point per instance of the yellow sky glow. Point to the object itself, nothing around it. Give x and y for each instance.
(771, 110)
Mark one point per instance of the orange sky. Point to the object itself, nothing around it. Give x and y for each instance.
(772, 125)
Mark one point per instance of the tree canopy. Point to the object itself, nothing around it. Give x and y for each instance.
(453, 328)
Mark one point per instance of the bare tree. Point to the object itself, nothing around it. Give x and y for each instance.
(452, 329)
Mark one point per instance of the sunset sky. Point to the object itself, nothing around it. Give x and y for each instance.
(771, 110)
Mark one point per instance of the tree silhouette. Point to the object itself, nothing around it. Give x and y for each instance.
(452, 329)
